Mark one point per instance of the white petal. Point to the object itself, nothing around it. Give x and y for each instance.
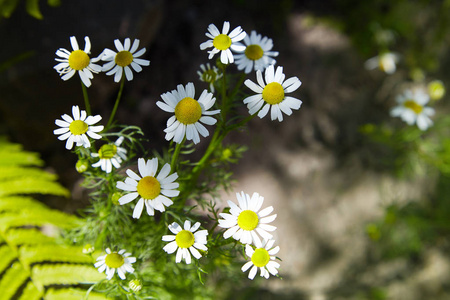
(138, 209)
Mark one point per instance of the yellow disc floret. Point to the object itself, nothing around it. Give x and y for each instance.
(260, 257)
(248, 220)
(222, 42)
(149, 187)
(273, 93)
(254, 52)
(114, 260)
(124, 58)
(188, 111)
(78, 60)
(411, 104)
(185, 239)
(107, 151)
(78, 127)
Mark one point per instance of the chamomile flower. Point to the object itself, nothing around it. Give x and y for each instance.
(224, 42)
(188, 113)
(115, 261)
(152, 189)
(186, 240)
(77, 60)
(271, 95)
(263, 258)
(119, 62)
(411, 108)
(75, 129)
(110, 155)
(386, 62)
(257, 54)
(209, 75)
(245, 222)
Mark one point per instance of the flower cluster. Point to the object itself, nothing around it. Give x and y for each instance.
(247, 222)
(164, 183)
(116, 62)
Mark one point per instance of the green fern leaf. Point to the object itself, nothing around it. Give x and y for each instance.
(17, 203)
(13, 172)
(12, 280)
(30, 255)
(37, 217)
(31, 186)
(28, 236)
(13, 155)
(64, 274)
(7, 256)
(72, 294)
(30, 292)
(25, 251)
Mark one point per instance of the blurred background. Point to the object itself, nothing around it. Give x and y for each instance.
(357, 218)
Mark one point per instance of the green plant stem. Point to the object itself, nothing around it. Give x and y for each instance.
(116, 105)
(175, 155)
(86, 99)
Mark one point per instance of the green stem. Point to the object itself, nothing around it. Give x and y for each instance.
(224, 99)
(175, 155)
(116, 105)
(86, 99)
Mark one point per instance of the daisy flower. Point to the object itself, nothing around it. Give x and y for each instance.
(411, 108)
(74, 129)
(223, 42)
(263, 258)
(110, 155)
(272, 94)
(77, 60)
(184, 240)
(188, 113)
(209, 75)
(119, 62)
(257, 54)
(152, 189)
(246, 221)
(386, 62)
(115, 261)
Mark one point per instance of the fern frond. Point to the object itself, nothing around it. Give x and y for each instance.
(13, 172)
(37, 217)
(14, 155)
(64, 274)
(7, 256)
(72, 294)
(17, 203)
(12, 280)
(30, 255)
(28, 236)
(31, 186)
(30, 292)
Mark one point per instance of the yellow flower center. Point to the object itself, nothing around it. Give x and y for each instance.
(114, 260)
(260, 257)
(107, 151)
(188, 111)
(411, 104)
(78, 60)
(124, 58)
(149, 187)
(273, 93)
(78, 127)
(185, 239)
(222, 42)
(254, 52)
(248, 220)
